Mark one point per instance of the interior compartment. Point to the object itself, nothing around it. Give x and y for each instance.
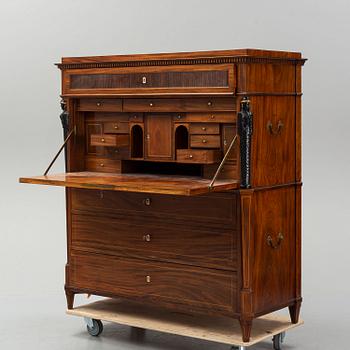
(181, 137)
(161, 168)
(136, 141)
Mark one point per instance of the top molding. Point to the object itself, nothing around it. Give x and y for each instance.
(183, 58)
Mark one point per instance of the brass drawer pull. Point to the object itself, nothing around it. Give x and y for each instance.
(204, 141)
(190, 156)
(212, 116)
(277, 130)
(148, 279)
(210, 103)
(204, 128)
(179, 117)
(151, 104)
(147, 201)
(147, 238)
(277, 244)
(102, 140)
(102, 165)
(98, 104)
(116, 126)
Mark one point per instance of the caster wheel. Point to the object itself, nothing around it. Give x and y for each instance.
(278, 341)
(94, 327)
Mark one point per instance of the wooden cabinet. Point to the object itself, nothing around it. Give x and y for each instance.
(183, 180)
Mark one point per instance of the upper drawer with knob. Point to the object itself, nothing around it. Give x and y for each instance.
(216, 78)
(197, 104)
(100, 105)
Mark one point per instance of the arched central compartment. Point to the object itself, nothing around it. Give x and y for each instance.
(181, 137)
(136, 141)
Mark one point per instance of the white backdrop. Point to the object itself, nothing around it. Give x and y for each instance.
(35, 34)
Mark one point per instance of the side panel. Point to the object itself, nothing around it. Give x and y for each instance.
(273, 140)
(274, 265)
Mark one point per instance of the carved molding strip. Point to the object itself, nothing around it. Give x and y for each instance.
(189, 61)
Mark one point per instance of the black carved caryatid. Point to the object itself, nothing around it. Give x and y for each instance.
(64, 116)
(245, 131)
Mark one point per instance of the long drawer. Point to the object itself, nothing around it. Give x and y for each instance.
(188, 245)
(220, 208)
(161, 282)
(184, 79)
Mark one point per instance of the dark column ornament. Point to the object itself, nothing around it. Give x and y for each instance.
(64, 116)
(245, 131)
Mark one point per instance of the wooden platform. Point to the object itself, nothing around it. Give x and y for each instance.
(222, 330)
(162, 184)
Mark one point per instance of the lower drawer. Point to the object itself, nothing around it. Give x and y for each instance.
(158, 282)
(188, 245)
(219, 208)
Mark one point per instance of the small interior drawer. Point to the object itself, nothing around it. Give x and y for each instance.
(136, 117)
(116, 128)
(204, 128)
(198, 156)
(106, 140)
(100, 105)
(103, 165)
(205, 117)
(205, 141)
(152, 105)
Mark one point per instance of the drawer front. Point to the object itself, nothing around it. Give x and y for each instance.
(220, 208)
(102, 165)
(204, 128)
(100, 105)
(106, 140)
(182, 105)
(198, 156)
(160, 282)
(116, 128)
(160, 79)
(136, 117)
(217, 117)
(205, 141)
(101, 234)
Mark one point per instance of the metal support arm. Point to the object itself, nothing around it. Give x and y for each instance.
(60, 150)
(211, 185)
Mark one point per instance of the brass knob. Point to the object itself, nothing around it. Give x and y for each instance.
(135, 116)
(179, 117)
(212, 116)
(102, 140)
(147, 201)
(116, 127)
(204, 128)
(102, 165)
(98, 104)
(147, 238)
(151, 104)
(190, 156)
(204, 141)
(148, 279)
(210, 103)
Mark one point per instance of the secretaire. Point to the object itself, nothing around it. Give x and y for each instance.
(183, 180)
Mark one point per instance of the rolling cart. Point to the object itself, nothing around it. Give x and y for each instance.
(217, 329)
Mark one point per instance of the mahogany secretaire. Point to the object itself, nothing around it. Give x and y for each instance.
(183, 180)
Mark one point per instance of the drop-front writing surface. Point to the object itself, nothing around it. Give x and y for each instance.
(183, 179)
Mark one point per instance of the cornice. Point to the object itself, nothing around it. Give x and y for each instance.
(187, 61)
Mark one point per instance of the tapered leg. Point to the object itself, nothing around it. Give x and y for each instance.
(70, 298)
(294, 311)
(246, 326)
